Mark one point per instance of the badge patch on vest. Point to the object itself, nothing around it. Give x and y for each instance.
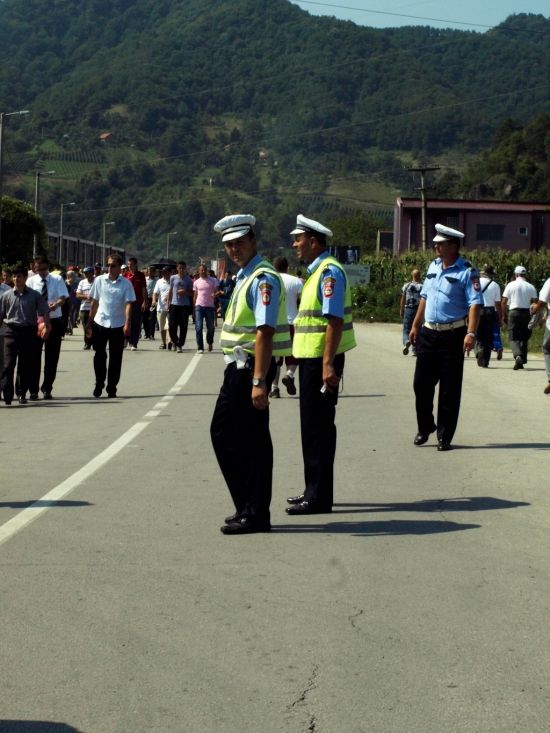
(328, 286)
(265, 290)
(475, 282)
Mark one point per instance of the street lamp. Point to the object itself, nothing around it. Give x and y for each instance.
(105, 224)
(60, 247)
(168, 242)
(37, 202)
(2, 115)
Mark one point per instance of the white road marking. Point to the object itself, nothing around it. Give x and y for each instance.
(32, 512)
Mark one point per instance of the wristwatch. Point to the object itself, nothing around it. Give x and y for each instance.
(258, 382)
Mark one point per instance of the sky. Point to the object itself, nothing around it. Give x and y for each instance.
(467, 15)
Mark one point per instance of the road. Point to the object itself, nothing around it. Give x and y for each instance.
(421, 604)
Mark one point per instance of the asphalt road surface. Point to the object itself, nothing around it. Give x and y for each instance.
(421, 604)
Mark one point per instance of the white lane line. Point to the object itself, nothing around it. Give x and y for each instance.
(32, 512)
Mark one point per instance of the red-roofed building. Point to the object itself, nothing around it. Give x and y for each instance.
(486, 224)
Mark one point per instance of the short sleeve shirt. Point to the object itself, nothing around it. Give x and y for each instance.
(449, 293)
(411, 291)
(138, 282)
(544, 295)
(293, 286)
(332, 287)
(490, 291)
(162, 289)
(84, 287)
(112, 296)
(56, 289)
(205, 289)
(181, 283)
(263, 295)
(519, 293)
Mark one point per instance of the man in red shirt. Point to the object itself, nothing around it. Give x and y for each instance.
(137, 278)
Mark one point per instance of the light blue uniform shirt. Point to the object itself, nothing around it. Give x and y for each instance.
(112, 296)
(332, 287)
(264, 313)
(450, 292)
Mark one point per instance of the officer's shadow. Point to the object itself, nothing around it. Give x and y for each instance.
(404, 526)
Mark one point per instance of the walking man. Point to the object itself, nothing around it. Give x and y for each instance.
(293, 287)
(83, 295)
(443, 331)
(180, 299)
(141, 301)
(20, 309)
(112, 296)
(323, 332)
(543, 303)
(490, 313)
(516, 302)
(255, 331)
(408, 305)
(205, 290)
(53, 289)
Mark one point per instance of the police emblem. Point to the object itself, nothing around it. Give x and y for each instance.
(328, 286)
(475, 282)
(265, 290)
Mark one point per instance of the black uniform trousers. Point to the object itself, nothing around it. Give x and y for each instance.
(439, 358)
(484, 335)
(518, 332)
(317, 415)
(19, 347)
(242, 442)
(52, 348)
(178, 321)
(114, 337)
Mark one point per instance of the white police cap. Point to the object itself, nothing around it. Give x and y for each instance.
(303, 224)
(445, 233)
(234, 226)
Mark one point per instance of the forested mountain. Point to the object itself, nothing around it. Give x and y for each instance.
(209, 105)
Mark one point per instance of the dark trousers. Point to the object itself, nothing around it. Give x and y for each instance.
(19, 347)
(242, 443)
(317, 414)
(178, 320)
(135, 325)
(149, 322)
(204, 314)
(518, 333)
(440, 358)
(84, 318)
(52, 347)
(484, 336)
(114, 338)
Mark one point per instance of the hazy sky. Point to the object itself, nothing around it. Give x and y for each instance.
(467, 14)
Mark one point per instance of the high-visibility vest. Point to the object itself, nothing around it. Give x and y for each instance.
(239, 326)
(310, 324)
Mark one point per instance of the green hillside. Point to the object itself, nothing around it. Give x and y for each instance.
(215, 105)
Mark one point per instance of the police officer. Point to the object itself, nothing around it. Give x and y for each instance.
(255, 330)
(449, 311)
(323, 332)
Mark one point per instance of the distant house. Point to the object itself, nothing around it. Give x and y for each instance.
(105, 136)
(486, 224)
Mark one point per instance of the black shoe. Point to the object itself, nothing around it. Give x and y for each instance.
(7, 401)
(406, 348)
(33, 397)
(232, 518)
(308, 507)
(22, 400)
(98, 390)
(245, 525)
(518, 363)
(289, 384)
(421, 438)
(47, 395)
(444, 445)
(111, 393)
(86, 347)
(295, 499)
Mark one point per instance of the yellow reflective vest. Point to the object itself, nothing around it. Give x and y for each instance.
(310, 324)
(239, 326)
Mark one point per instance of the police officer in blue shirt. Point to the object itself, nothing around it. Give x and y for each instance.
(443, 331)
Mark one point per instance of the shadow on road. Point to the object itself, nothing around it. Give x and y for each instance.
(377, 529)
(42, 503)
(460, 504)
(35, 726)
(506, 446)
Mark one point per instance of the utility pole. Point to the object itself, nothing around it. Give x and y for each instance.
(423, 170)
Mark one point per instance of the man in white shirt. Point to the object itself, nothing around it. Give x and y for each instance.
(293, 287)
(110, 322)
(544, 302)
(161, 302)
(492, 309)
(518, 296)
(83, 295)
(53, 288)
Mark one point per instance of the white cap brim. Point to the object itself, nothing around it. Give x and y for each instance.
(236, 233)
(440, 238)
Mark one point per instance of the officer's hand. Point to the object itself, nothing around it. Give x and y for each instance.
(412, 335)
(259, 398)
(330, 379)
(469, 343)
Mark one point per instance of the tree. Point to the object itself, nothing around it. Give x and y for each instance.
(20, 225)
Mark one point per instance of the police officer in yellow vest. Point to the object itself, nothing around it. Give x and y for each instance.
(255, 330)
(323, 333)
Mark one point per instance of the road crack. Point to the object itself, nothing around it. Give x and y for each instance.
(311, 685)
